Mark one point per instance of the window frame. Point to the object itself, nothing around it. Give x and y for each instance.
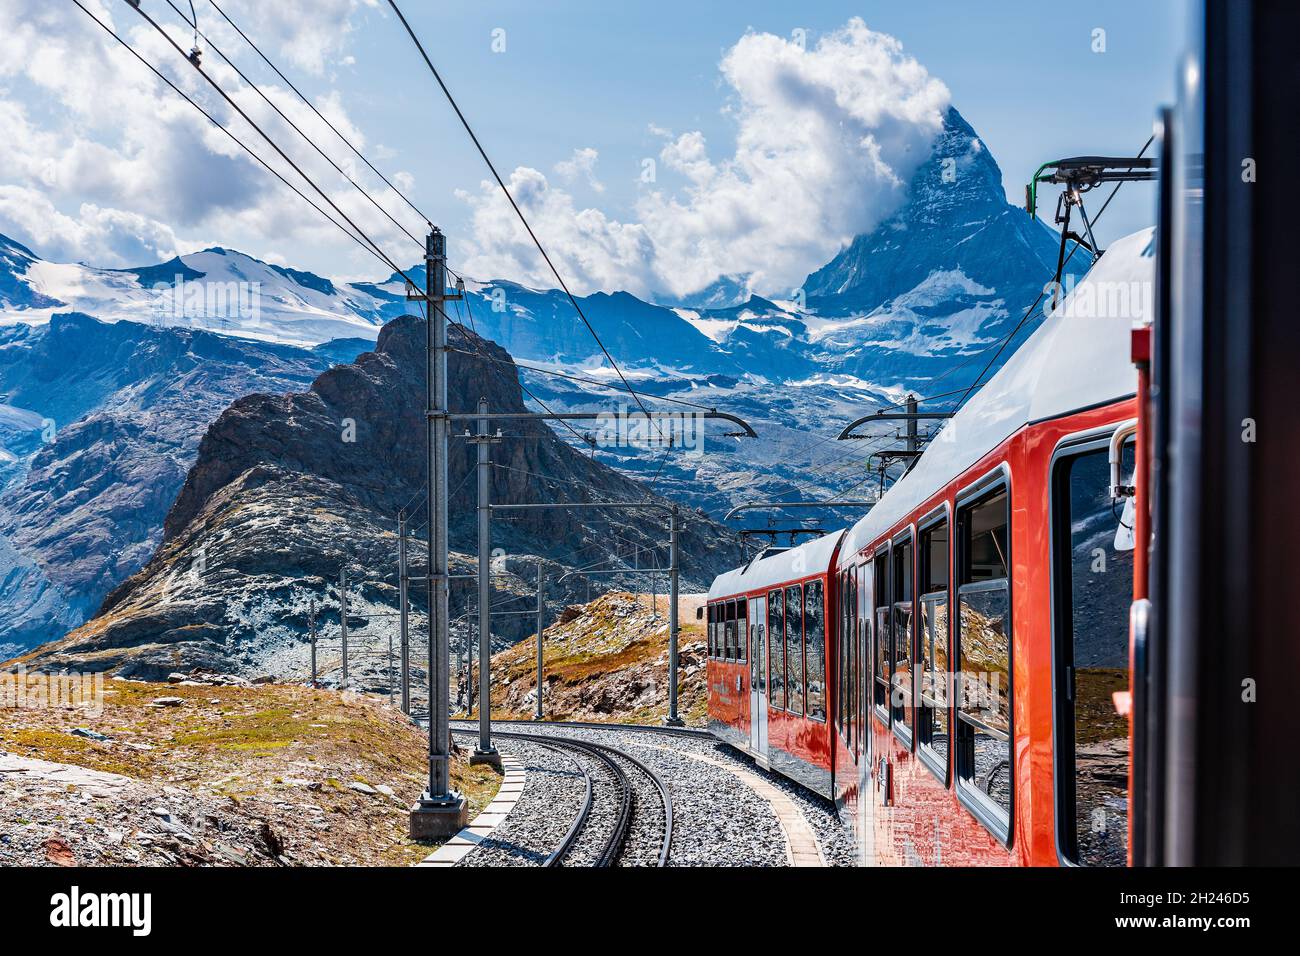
(883, 715)
(942, 515)
(803, 669)
(820, 583)
(729, 631)
(775, 592)
(978, 804)
(742, 633)
(1070, 446)
(709, 613)
(904, 731)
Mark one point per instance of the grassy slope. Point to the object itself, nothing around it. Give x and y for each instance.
(608, 663)
(263, 752)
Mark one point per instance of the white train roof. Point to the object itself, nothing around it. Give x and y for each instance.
(811, 557)
(1079, 357)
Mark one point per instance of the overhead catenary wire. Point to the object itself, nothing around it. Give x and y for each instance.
(296, 128)
(265, 59)
(515, 206)
(217, 123)
(282, 154)
(1043, 292)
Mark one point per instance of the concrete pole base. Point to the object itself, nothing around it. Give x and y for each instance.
(438, 820)
(490, 757)
(538, 717)
(674, 722)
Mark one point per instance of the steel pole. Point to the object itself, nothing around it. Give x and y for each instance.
(912, 443)
(403, 620)
(441, 811)
(672, 720)
(541, 627)
(311, 623)
(343, 622)
(485, 753)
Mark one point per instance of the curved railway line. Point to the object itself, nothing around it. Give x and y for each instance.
(627, 816)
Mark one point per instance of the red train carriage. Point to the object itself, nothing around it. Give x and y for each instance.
(977, 645)
(769, 676)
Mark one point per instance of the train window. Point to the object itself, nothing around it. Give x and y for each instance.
(881, 655)
(794, 679)
(862, 656)
(932, 661)
(776, 648)
(713, 630)
(814, 619)
(850, 657)
(1094, 590)
(984, 727)
(844, 658)
(742, 629)
(901, 682)
(729, 632)
(844, 674)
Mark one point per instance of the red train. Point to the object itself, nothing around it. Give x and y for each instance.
(953, 670)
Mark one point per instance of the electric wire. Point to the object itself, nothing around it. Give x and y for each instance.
(311, 142)
(515, 206)
(324, 119)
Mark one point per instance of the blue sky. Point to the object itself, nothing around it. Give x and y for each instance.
(624, 81)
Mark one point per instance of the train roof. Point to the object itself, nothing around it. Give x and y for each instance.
(1074, 360)
(811, 557)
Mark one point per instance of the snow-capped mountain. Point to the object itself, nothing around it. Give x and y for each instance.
(217, 290)
(953, 271)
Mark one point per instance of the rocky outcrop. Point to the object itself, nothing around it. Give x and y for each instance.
(287, 490)
(102, 423)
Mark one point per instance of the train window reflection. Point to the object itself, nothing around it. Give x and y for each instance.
(932, 716)
(729, 650)
(881, 653)
(984, 726)
(901, 683)
(815, 653)
(776, 639)
(742, 628)
(794, 669)
(1094, 592)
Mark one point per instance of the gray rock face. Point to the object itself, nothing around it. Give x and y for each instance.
(288, 489)
(103, 423)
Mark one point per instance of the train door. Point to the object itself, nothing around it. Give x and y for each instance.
(758, 678)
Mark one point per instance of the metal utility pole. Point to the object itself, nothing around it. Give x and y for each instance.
(541, 625)
(343, 622)
(485, 752)
(672, 720)
(403, 622)
(311, 624)
(441, 811)
(912, 444)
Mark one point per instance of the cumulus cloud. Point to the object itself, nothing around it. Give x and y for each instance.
(581, 165)
(97, 145)
(827, 138)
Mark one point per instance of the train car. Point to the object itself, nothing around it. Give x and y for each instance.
(768, 672)
(978, 642)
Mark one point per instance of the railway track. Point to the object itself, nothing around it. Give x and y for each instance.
(615, 825)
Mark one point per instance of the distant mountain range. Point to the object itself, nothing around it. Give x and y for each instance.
(950, 273)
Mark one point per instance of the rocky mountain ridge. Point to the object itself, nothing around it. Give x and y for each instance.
(289, 489)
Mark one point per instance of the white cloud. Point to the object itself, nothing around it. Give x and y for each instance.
(827, 139)
(95, 142)
(94, 235)
(582, 164)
